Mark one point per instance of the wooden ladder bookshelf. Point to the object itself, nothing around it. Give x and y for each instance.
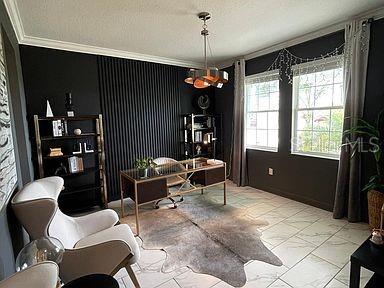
(87, 187)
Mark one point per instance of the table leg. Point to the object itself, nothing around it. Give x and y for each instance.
(354, 275)
(225, 183)
(121, 196)
(137, 211)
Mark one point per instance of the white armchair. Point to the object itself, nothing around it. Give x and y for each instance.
(93, 243)
(40, 275)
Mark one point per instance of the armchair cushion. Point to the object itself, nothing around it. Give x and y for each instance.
(120, 232)
(78, 227)
(40, 275)
(97, 221)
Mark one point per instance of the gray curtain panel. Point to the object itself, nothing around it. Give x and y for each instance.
(239, 165)
(348, 188)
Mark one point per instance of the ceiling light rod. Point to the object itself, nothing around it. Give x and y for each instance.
(202, 78)
(205, 16)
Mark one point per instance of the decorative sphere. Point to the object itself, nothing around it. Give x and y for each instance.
(77, 131)
(43, 249)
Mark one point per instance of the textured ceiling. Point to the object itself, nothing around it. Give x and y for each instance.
(170, 28)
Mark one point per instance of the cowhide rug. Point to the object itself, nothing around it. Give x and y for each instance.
(207, 237)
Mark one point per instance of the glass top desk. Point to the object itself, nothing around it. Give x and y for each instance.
(197, 173)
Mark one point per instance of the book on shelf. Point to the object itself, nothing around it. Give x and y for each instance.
(198, 136)
(75, 164)
(54, 152)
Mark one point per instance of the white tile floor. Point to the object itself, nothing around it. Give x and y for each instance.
(313, 247)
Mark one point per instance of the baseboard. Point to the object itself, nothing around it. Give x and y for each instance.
(292, 196)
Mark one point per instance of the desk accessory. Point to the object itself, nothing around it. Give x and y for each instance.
(377, 234)
(79, 150)
(49, 110)
(77, 131)
(208, 138)
(69, 105)
(143, 165)
(61, 170)
(204, 102)
(88, 148)
(54, 152)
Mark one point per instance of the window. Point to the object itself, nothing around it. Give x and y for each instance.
(318, 108)
(262, 111)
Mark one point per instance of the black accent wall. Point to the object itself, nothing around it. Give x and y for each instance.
(141, 102)
(374, 96)
(224, 106)
(303, 178)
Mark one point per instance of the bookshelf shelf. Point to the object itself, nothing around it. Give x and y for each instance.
(81, 189)
(83, 135)
(70, 155)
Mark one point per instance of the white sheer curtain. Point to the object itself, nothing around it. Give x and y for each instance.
(348, 188)
(239, 165)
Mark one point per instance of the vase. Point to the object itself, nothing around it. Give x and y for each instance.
(143, 173)
(375, 202)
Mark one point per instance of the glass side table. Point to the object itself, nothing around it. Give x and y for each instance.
(40, 250)
(43, 249)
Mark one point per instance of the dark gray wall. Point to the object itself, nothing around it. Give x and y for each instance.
(307, 179)
(374, 96)
(11, 236)
(224, 106)
(128, 89)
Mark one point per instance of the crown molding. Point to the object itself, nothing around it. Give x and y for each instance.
(88, 49)
(22, 38)
(376, 14)
(14, 15)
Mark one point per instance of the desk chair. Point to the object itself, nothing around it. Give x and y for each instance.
(172, 180)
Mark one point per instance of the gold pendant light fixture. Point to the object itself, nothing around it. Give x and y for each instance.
(209, 76)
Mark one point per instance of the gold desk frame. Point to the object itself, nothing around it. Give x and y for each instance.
(136, 182)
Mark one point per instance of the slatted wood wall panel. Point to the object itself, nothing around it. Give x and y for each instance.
(140, 103)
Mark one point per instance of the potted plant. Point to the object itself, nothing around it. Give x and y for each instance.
(143, 165)
(373, 139)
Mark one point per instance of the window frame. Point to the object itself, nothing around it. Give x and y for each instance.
(267, 76)
(327, 64)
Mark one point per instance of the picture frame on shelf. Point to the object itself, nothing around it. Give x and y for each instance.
(57, 128)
